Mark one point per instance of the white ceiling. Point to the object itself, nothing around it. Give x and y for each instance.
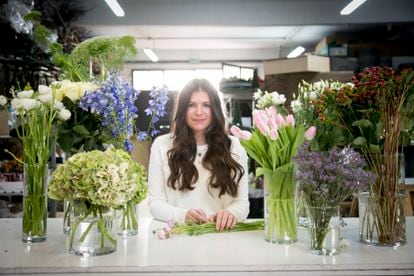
(237, 30)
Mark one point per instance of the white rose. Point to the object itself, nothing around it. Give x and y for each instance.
(64, 114)
(25, 94)
(43, 89)
(3, 100)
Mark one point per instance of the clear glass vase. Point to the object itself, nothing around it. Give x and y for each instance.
(381, 219)
(127, 220)
(323, 229)
(381, 210)
(35, 202)
(280, 206)
(67, 205)
(92, 231)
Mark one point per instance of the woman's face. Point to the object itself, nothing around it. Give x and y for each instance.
(198, 116)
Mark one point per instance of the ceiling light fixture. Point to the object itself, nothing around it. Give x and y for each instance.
(149, 52)
(115, 7)
(296, 52)
(151, 55)
(353, 5)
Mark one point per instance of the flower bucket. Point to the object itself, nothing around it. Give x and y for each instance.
(127, 220)
(381, 220)
(323, 230)
(35, 202)
(92, 231)
(280, 205)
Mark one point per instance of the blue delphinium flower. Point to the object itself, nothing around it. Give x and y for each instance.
(156, 110)
(114, 101)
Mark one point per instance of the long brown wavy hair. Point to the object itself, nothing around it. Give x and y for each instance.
(225, 171)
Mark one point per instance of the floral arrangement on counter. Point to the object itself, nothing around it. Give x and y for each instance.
(194, 229)
(35, 113)
(98, 180)
(325, 180)
(273, 143)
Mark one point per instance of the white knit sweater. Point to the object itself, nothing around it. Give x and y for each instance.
(168, 204)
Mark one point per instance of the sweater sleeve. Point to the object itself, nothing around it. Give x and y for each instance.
(240, 204)
(159, 206)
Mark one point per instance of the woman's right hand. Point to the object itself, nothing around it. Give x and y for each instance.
(196, 216)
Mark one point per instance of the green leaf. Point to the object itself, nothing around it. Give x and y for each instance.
(362, 123)
(374, 148)
(80, 129)
(65, 143)
(360, 141)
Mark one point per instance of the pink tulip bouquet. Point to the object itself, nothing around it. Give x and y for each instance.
(273, 143)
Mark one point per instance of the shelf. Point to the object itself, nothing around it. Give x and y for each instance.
(10, 188)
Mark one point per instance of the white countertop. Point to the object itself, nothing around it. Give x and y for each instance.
(219, 254)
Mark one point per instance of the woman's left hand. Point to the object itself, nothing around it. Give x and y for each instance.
(224, 220)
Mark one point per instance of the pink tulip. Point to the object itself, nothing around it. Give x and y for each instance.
(280, 121)
(245, 135)
(241, 134)
(310, 133)
(290, 120)
(273, 134)
(271, 111)
(260, 120)
(235, 131)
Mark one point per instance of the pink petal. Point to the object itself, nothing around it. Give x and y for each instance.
(310, 133)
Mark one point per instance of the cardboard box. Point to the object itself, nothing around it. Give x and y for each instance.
(4, 127)
(309, 63)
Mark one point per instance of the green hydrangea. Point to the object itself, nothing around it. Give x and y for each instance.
(109, 178)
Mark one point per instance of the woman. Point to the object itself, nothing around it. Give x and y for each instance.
(198, 173)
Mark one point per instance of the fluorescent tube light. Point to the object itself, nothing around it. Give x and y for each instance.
(115, 7)
(353, 5)
(296, 52)
(151, 55)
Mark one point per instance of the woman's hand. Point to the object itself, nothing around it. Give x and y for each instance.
(224, 220)
(196, 215)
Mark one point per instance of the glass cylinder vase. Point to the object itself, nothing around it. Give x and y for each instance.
(280, 205)
(127, 220)
(323, 229)
(67, 206)
(381, 209)
(381, 219)
(92, 231)
(35, 202)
